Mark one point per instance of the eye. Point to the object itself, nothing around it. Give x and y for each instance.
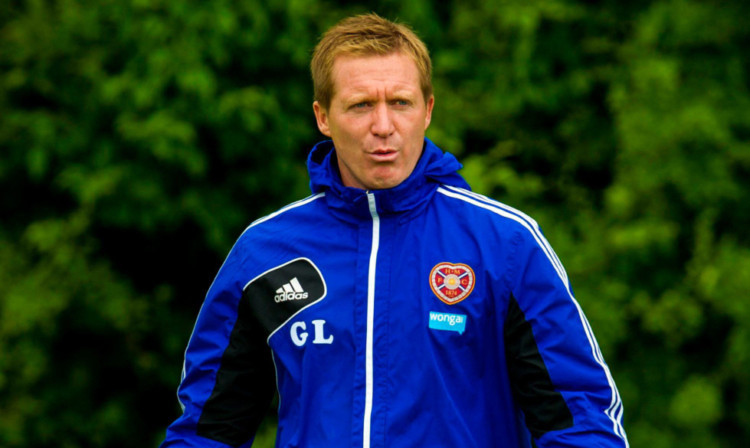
(360, 105)
(401, 103)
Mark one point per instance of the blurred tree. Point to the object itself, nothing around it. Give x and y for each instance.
(139, 138)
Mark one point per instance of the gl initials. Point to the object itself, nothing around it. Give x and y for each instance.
(299, 334)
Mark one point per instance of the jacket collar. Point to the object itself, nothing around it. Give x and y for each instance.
(434, 167)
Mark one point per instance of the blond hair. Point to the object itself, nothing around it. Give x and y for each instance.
(366, 35)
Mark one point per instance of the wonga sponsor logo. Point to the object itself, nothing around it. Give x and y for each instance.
(447, 321)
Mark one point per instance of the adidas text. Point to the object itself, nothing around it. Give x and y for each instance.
(283, 297)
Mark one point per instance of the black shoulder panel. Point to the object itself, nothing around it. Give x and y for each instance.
(543, 406)
(281, 292)
(245, 382)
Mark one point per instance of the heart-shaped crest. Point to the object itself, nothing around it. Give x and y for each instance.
(451, 282)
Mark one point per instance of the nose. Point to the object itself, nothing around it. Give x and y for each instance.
(382, 122)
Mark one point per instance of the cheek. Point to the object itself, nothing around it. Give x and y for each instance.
(347, 128)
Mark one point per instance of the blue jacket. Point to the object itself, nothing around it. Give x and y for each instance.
(420, 316)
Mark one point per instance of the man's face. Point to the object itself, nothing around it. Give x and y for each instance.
(377, 119)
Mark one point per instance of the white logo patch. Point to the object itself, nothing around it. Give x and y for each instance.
(290, 291)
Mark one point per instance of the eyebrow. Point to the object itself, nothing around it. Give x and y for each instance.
(358, 97)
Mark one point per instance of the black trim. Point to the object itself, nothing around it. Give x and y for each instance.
(245, 382)
(543, 406)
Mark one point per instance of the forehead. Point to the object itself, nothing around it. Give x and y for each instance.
(353, 74)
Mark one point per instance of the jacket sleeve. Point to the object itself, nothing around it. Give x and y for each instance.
(559, 377)
(228, 377)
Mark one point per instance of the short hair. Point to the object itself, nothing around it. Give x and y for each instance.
(366, 35)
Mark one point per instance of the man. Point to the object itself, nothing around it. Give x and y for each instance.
(393, 307)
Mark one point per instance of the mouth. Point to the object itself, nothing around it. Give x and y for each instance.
(383, 155)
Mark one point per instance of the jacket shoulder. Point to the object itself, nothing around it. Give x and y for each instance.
(282, 217)
(477, 206)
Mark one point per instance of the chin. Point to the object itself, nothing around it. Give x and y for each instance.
(384, 184)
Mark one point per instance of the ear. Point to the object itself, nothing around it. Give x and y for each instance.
(321, 115)
(428, 116)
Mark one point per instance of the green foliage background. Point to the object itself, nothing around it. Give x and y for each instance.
(139, 137)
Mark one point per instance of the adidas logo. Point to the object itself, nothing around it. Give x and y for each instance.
(290, 291)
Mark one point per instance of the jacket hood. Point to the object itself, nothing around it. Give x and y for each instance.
(434, 168)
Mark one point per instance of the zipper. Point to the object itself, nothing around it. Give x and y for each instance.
(370, 319)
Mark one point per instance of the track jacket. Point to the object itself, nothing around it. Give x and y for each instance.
(420, 316)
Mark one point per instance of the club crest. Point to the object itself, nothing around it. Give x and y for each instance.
(452, 282)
